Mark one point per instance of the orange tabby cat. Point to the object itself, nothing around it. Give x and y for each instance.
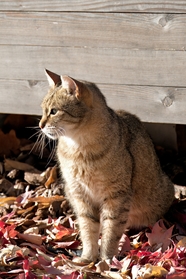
(113, 177)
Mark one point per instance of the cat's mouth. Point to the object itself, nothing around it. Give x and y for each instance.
(53, 132)
(52, 136)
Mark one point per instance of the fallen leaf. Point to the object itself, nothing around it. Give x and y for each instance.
(33, 238)
(46, 200)
(102, 266)
(32, 230)
(52, 177)
(182, 242)
(177, 275)
(34, 178)
(150, 271)
(124, 245)
(9, 143)
(160, 236)
(115, 275)
(9, 200)
(62, 231)
(25, 211)
(6, 187)
(67, 244)
(12, 164)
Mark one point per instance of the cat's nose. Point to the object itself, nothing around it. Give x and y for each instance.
(41, 125)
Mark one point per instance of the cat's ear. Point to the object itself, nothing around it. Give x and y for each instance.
(53, 79)
(73, 86)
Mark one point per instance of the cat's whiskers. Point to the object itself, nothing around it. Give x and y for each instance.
(53, 151)
(61, 131)
(40, 143)
(58, 132)
(43, 145)
(37, 144)
(36, 133)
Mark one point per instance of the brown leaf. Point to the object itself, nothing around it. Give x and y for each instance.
(46, 200)
(101, 266)
(12, 164)
(149, 271)
(182, 242)
(9, 143)
(34, 178)
(52, 178)
(6, 187)
(33, 238)
(13, 174)
(160, 235)
(9, 200)
(18, 121)
(23, 212)
(32, 230)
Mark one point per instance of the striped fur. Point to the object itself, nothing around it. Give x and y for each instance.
(113, 177)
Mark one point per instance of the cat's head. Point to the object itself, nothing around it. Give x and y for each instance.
(65, 106)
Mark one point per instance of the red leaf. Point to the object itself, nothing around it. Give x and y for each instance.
(160, 235)
(124, 245)
(63, 232)
(68, 244)
(176, 275)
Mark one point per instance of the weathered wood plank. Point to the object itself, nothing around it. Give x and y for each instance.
(129, 31)
(21, 97)
(151, 104)
(177, 6)
(99, 65)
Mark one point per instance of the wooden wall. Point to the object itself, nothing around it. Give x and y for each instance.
(133, 50)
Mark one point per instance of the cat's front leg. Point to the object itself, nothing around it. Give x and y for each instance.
(114, 218)
(89, 226)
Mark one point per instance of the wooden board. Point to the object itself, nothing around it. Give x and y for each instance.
(110, 30)
(99, 65)
(151, 104)
(177, 6)
(134, 50)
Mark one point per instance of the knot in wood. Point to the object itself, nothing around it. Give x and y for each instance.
(167, 101)
(32, 83)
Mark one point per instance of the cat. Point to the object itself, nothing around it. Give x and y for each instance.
(113, 179)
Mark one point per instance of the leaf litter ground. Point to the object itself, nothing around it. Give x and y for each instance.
(39, 235)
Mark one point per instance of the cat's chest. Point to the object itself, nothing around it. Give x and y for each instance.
(85, 181)
(81, 173)
(84, 173)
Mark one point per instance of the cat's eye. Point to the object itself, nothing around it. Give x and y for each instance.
(53, 111)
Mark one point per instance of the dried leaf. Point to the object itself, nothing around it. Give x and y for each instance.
(52, 178)
(9, 200)
(124, 245)
(46, 200)
(34, 178)
(150, 271)
(11, 164)
(32, 230)
(67, 244)
(25, 211)
(177, 275)
(62, 231)
(182, 242)
(33, 238)
(115, 275)
(160, 236)
(5, 185)
(9, 143)
(102, 266)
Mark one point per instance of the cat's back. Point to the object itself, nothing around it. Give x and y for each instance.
(132, 122)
